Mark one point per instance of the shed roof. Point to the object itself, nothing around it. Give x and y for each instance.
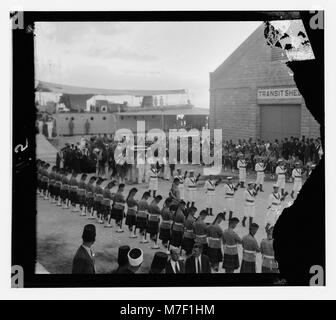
(44, 86)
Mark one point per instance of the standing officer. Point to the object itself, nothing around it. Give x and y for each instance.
(191, 184)
(260, 169)
(281, 173)
(229, 191)
(153, 180)
(241, 165)
(249, 207)
(181, 178)
(297, 176)
(274, 206)
(210, 191)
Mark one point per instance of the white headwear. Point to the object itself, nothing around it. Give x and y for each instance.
(135, 257)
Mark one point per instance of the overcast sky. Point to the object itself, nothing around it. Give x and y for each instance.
(137, 55)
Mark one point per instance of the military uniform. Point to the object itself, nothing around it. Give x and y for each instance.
(89, 199)
(97, 200)
(106, 204)
(174, 193)
(260, 169)
(230, 241)
(269, 264)
(177, 229)
(188, 236)
(297, 176)
(153, 222)
(241, 166)
(118, 209)
(274, 205)
(250, 249)
(200, 231)
(142, 219)
(73, 187)
(165, 225)
(249, 206)
(181, 185)
(58, 186)
(210, 191)
(229, 192)
(81, 195)
(45, 182)
(214, 237)
(51, 186)
(191, 184)
(132, 207)
(65, 191)
(280, 171)
(153, 180)
(141, 166)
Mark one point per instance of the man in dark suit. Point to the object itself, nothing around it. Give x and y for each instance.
(83, 261)
(174, 264)
(197, 262)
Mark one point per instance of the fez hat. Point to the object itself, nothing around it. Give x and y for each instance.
(192, 209)
(89, 233)
(122, 255)
(254, 226)
(135, 257)
(234, 220)
(159, 262)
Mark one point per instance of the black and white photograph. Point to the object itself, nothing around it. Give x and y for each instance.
(168, 148)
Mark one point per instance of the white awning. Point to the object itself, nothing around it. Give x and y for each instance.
(43, 86)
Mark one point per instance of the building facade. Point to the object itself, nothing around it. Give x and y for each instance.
(107, 123)
(253, 95)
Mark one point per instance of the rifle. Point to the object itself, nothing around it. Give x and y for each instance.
(284, 196)
(218, 182)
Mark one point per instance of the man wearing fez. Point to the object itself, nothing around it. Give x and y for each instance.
(159, 262)
(122, 259)
(83, 262)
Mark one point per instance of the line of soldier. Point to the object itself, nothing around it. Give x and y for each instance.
(183, 183)
(175, 225)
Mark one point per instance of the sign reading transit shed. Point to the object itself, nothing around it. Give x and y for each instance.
(278, 93)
